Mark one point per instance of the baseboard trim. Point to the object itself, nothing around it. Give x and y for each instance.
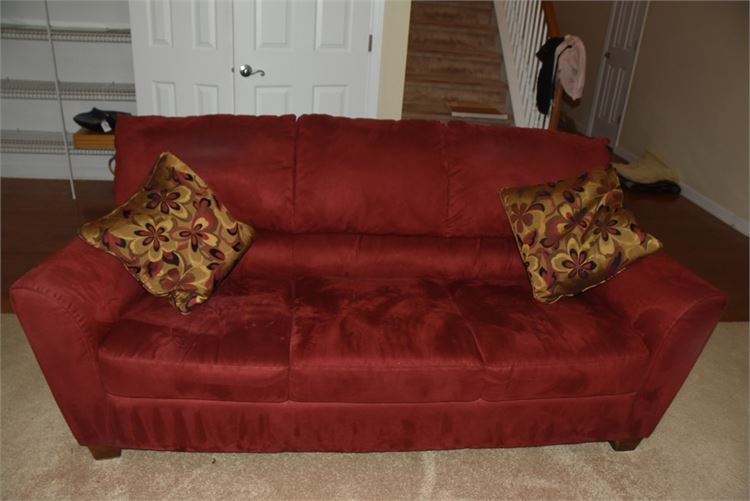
(719, 212)
(626, 154)
(712, 207)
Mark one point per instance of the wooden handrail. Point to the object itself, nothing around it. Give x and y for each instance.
(553, 30)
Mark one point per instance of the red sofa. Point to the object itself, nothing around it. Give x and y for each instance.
(383, 307)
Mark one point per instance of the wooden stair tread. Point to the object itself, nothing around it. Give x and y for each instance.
(457, 80)
(481, 6)
(471, 29)
(443, 107)
(425, 39)
(454, 55)
(437, 107)
(468, 55)
(477, 17)
(450, 118)
(495, 89)
(461, 70)
(472, 107)
(488, 57)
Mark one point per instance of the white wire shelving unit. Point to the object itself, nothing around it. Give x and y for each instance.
(69, 91)
(42, 142)
(52, 142)
(28, 32)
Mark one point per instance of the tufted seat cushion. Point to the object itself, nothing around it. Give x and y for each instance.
(235, 347)
(573, 348)
(372, 340)
(380, 340)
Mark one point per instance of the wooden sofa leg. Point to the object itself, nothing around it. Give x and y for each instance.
(104, 452)
(629, 444)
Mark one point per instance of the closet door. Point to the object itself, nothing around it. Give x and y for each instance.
(303, 56)
(182, 56)
(626, 24)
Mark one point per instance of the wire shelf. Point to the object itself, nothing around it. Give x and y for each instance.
(21, 32)
(42, 142)
(70, 91)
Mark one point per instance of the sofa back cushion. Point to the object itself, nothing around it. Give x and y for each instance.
(383, 256)
(370, 176)
(482, 159)
(247, 160)
(325, 174)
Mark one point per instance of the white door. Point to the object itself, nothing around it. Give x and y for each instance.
(303, 56)
(626, 23)
(182, 56)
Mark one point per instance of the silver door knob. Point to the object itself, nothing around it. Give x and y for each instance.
(246, 70)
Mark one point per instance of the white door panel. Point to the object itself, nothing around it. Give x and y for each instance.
(314, 54)
(620, 52)
(182, 56)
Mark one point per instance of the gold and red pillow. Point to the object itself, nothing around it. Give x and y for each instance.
(173, 235)
(574, 234)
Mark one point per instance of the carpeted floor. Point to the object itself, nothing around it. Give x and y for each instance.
(699, 451)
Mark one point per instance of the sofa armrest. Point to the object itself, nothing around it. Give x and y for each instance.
(65, 306)
(675, 311)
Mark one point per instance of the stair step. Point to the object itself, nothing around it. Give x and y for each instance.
(456, 54)
(434, 108)
(499, 89)
(447, 57)
(471, 16)
(455, 8)
(456, 26)
(449, 118)
(484, 24)
(421, 38)
(457, 80)
(426, 93)
(469, 107)
(437, 108)
(440, 65)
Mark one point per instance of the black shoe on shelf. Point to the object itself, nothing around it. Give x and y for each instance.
(98, 120)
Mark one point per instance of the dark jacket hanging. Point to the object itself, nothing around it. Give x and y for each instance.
(545, 84)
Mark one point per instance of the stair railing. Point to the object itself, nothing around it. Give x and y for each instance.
(524, 26)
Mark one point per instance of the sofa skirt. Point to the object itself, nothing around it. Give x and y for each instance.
(213, 426)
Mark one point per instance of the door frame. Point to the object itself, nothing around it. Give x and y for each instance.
(372, 90)
(600, 74)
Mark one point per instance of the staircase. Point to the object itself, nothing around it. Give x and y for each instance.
(454, 58)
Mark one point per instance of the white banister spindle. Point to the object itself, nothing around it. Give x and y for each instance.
(528, 49)
(523, 30)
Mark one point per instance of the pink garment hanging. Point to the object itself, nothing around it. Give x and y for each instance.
(571, 65)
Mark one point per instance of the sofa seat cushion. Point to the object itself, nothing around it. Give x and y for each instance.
(573, 348)
(380, 340)
(235, 347)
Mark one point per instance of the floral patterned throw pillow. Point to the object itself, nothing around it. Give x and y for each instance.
(174, 235)
(574, 234)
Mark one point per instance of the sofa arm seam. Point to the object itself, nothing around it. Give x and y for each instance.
(663, 341)
(65, 307)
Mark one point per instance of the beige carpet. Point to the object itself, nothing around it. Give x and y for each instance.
(699, 451)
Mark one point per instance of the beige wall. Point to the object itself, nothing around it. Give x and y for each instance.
(689, 98)
(587, 20)
(393, 58)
